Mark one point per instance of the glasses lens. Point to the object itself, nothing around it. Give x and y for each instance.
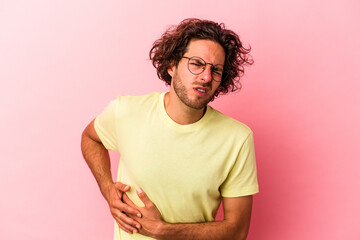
(196, 65)
(217, 75)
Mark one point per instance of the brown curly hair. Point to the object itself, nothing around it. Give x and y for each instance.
(172, 45)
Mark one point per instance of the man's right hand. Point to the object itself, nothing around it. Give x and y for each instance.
(119, 209)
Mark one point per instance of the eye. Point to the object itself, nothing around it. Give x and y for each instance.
(217, 71)
(196, 63)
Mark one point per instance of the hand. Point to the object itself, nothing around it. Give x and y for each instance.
(120, 210)
(151, 220)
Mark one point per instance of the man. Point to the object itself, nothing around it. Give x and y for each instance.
(179, 157)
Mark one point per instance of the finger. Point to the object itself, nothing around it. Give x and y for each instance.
(125, 220)
(123, 207)
(143, 197)
(126, 227)
(122, 187)
(128, 201)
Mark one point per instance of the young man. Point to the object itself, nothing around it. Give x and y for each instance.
(179, 157)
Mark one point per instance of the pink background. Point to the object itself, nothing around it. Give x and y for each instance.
(61, 62)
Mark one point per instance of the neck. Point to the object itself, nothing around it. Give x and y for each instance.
(180, 113)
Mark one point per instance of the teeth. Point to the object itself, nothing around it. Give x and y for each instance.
(200, 90)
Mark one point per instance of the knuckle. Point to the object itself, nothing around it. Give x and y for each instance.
(127, 220)
(124, 228)
(128, 209)
(113, 210)
(123, 207)
(120, 186)
(123, 216)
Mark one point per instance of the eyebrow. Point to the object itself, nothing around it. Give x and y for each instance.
(218, 67)
(214, 65)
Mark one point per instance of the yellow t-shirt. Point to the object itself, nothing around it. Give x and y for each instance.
(184, 169)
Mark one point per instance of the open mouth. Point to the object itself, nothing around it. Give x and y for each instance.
(201, 91)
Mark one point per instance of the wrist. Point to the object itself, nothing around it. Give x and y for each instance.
(105, 189)
(161, 230)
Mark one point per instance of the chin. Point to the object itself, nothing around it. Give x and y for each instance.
(197, 104)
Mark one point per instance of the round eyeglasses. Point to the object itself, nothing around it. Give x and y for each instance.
(197, 65)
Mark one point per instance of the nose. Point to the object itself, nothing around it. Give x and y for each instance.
(206, 75)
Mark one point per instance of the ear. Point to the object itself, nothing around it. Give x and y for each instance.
(171, 69)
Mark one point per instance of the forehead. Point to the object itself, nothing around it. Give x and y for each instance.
(208, 50)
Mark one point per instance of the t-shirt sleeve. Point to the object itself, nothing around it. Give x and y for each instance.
(242, 179)
(106, 128)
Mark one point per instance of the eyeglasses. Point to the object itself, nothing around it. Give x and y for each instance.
(197, 65)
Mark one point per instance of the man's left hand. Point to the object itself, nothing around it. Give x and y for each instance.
(151, 220)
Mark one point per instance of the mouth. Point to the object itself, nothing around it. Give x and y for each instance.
(201, 91)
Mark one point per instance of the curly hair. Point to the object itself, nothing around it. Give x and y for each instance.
(170, 48)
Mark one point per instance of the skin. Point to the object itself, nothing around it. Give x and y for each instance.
(237, 213)
(185, 105)
(98, 160)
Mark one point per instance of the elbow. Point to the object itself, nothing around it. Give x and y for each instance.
(242, 237)
(238, 232)
(239, 236)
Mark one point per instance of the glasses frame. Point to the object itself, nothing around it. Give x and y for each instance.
(203, 68)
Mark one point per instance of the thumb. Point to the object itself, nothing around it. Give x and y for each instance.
(143, 197)
(122, 187)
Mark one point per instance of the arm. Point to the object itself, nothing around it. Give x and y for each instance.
(237, 213)
(98, 160)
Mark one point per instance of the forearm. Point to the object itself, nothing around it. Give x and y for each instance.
(237, 214)
(208, 231)
(98, 160)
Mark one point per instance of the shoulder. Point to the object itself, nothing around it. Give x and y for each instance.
(128, 108)
(154, 96)
(127, 102)
(229, 125)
